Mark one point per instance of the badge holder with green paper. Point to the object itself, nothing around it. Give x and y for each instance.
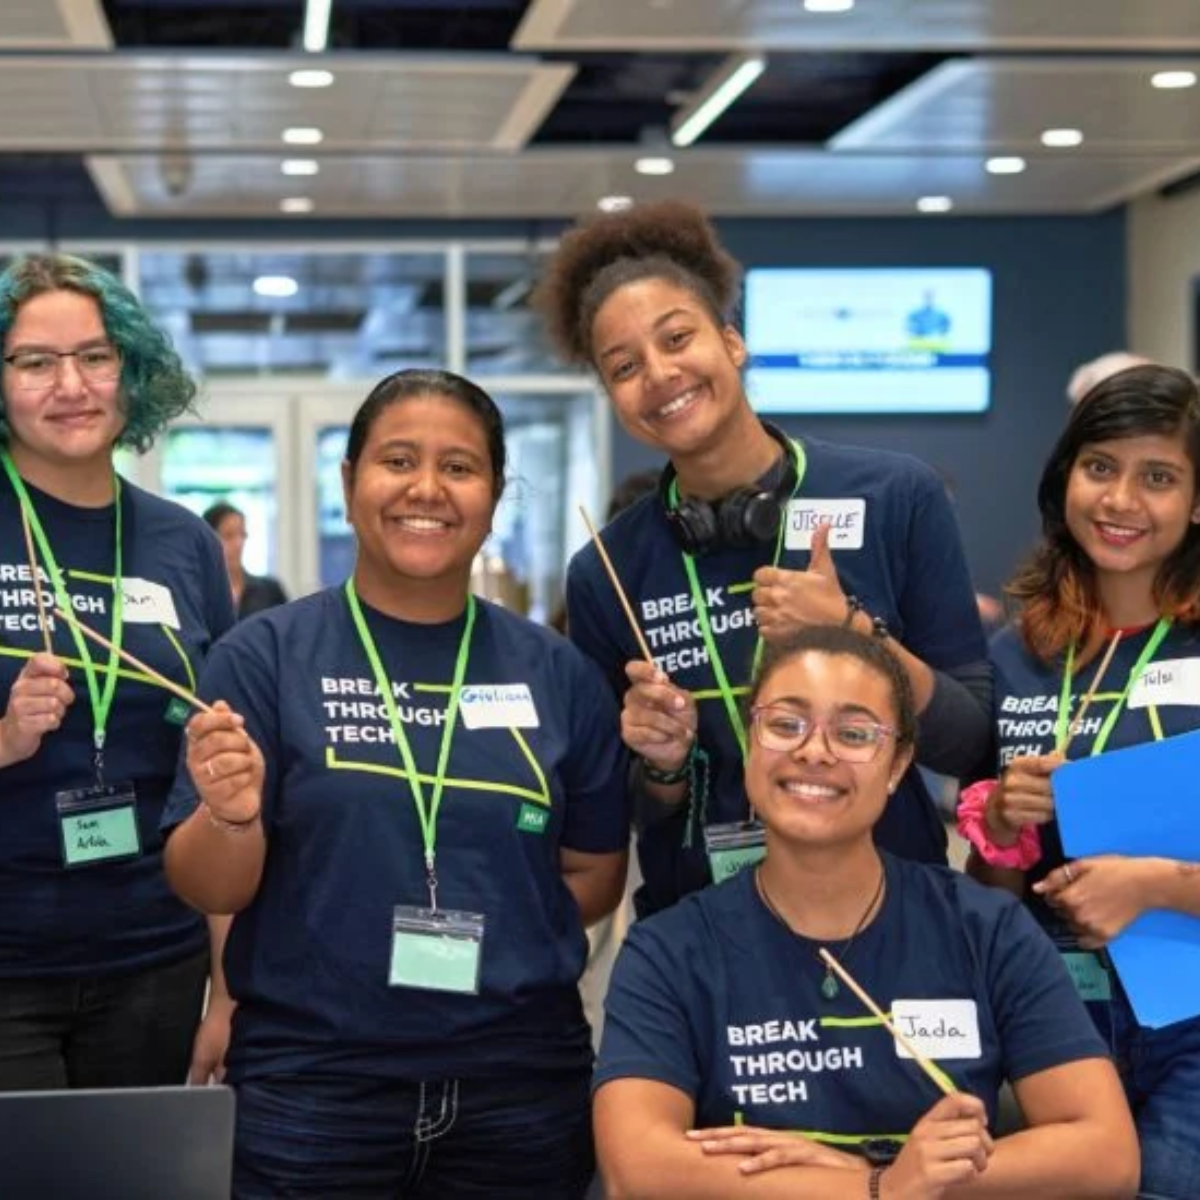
(1142, 801)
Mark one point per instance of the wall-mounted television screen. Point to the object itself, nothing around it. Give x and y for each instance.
(869, 340)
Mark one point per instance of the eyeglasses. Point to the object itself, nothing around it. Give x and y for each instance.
(850, 739)
(39, 368)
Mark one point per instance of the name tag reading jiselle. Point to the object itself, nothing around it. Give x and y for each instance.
(498, 706)
(438, 951)
(847, 520)
(938, 1029)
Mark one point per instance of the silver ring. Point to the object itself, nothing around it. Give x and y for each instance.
(1068, 872)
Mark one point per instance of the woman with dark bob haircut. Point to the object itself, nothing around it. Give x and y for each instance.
(735, 1062)
(1118, 569)
(750, 536)
(102, 968)
(413, 800)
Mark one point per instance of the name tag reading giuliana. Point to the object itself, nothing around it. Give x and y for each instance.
(498, 706)
(847, 520)
(1173, 681)
(938, 1029)
(148, 603)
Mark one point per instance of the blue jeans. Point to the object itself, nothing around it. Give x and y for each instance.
(104, 1032)
(1161, 1072)
(371, 1139)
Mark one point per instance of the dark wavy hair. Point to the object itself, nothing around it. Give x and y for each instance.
(839, 641)
(1056, 588)
(155, 388)
(415, 383)
(667, 240)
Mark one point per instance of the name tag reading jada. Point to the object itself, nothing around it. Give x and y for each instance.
(498, 706)
(938, 1029)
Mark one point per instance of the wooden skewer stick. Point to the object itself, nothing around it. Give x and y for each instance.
(136, 663)
(944, 1082)
(43, 620)
(612, 574)
(1076, 722)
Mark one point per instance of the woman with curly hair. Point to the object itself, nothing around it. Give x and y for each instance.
(102, 968)
(1118, 568)
(751, 535)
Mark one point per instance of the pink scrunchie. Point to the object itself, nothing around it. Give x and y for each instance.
(972, 804)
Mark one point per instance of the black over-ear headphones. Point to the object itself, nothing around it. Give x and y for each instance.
(746, 517)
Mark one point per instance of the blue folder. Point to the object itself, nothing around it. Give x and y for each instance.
(1144, 800)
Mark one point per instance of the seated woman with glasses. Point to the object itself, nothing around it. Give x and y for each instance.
(736, 1061)
(102, 968)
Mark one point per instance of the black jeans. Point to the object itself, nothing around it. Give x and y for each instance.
(101, 1032)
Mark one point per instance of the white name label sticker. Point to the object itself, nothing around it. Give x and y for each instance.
(498, 706)
(1172, 681)
(148, 603)
(938, 1029)
(846, 519)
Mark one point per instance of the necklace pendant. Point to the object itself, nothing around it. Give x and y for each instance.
(829, 986)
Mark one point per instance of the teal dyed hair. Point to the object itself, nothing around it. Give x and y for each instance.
(155, 388)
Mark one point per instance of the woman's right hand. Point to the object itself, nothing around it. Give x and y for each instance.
(948, 1147)
(658, 720)
(1022, 797)
(37, 704)
(225, 765)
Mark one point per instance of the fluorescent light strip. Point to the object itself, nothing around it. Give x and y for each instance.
(316, 25)
(739, 73)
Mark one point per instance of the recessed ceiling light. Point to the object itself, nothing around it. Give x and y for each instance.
(303, 135)
(300, 166)
(1173, 79)
(934, 204)
(275, 285)
(612, 204)
(828, 6)
(296, 204)
(1005, 165)
(310, 79)
(652, 164)
(1062, 138)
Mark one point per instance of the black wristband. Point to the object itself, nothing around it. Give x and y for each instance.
(651, 774)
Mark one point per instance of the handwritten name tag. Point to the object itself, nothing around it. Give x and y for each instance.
(846, 519)
(1172, 681)
(498, 706)
(148, 603)
(938, 1029)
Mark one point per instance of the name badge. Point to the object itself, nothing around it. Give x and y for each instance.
(847, 521)
(98, 824)
(733, 847)
(1088, 975)
(148, 603)
(498, 706)
(1174, 681)
(436, 951)
(938, 1029)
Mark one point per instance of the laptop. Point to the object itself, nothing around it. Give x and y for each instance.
(173, 1143)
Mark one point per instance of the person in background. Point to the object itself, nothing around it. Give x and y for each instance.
(1087, 375)
(1119, 560)
(102, 968)
(413, 819)
(735, 1062)
(251, 593)
(749, 536)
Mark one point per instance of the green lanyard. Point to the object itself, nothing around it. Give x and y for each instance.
(710, 642)
(1062, 725)
(101, 698)
(427, 814)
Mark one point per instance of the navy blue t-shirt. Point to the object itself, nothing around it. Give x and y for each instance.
(308, 960)
(718, 998)
(112, 917)
(908, 570)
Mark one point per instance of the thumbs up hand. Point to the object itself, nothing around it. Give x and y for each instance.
(785, 601)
